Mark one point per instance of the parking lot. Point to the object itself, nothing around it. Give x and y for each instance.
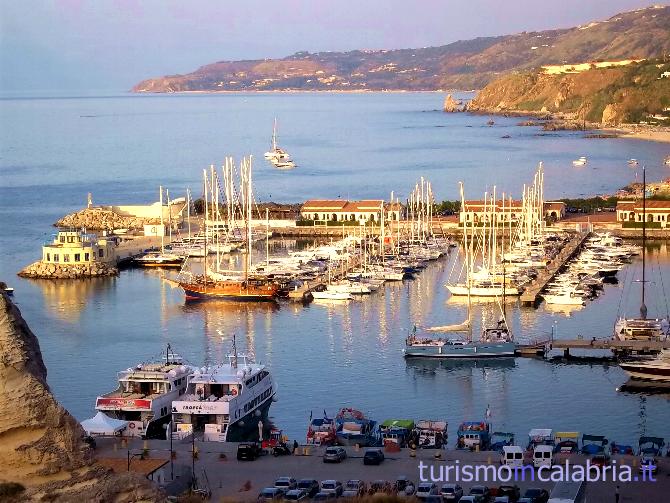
(232, 480)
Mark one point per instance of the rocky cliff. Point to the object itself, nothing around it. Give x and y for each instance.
(41, 448)
(466, 64)
(610, 96)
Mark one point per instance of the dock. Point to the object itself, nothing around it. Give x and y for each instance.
(617, 347)
(530, 295)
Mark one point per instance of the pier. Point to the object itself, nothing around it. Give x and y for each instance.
(530, 295)
(617, 347)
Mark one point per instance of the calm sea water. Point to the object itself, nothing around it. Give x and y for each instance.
(121, 148)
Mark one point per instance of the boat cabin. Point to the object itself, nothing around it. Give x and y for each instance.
(474, 435)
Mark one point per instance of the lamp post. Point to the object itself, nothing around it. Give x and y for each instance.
(131, 456)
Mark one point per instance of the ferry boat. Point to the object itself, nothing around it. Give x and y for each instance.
(353, 428)
(145, 395)
(657, 369)
(225, 403)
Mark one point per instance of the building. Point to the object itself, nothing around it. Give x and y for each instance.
(554, 210)
(476, 212)
(77, 247)
(340, 210)
(658, 212)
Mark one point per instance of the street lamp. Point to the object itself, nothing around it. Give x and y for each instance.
(131, 456)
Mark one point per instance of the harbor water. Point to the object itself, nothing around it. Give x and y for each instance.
(323, 356)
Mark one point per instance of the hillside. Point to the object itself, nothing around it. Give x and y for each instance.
(465, 64)
(625, 94)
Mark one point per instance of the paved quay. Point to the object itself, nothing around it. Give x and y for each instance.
(232, 480)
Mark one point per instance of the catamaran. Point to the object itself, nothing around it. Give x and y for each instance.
(276, 155)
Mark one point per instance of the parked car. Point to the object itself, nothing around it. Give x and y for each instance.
(599, 460)
(354, 488)
(332, 486)
(451, 492)
(433, 498)
(426, 489)
(373, 457)
(334, 455)
(472, 498)
(310, 486)
(248, 452)
(501, 499)
(537, 495)
(286, 483)
(295, 495)
(271, 494)
(404, 486)
(321, 496)
(512, 491)
(482, 491)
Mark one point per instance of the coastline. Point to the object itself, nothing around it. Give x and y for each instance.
(646, 134)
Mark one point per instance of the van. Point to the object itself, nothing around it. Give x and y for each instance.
(543, 455)
(512, 456)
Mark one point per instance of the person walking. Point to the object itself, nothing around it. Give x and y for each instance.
(617, 495)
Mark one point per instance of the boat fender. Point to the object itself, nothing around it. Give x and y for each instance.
(131, 426)
(234, 391)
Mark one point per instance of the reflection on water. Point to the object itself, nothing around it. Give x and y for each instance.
(66, 299)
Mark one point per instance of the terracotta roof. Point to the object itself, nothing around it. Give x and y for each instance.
(368, 205)
(144, 466)
(324, 204)
(554, 205)
(652, 205)
(472, 205)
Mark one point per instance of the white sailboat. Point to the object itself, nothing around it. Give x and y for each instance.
(279, 158)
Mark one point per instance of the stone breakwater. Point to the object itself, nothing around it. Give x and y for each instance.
(44, 270)
(100, 219)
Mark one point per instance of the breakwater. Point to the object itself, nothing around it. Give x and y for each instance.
(43, 270)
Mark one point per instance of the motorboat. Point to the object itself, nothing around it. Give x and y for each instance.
(580, 162)
(657, 369)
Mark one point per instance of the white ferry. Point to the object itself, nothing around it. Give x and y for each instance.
(145, 395)
(225, 403)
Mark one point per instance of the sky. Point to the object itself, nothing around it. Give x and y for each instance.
(96, 45)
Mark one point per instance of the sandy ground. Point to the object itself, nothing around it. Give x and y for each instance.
(660, 135)
(232, 480)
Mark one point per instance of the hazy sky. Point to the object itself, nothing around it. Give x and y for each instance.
(112, 44)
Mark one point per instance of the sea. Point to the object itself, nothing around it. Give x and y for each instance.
(122, 147)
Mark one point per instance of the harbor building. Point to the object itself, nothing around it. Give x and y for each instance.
(340, 210)
(630, 212)
(78, 247)
(477, 212)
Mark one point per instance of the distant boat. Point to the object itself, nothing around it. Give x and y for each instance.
(579, 162)
(666, 161)
(633, 162)
(276, 155)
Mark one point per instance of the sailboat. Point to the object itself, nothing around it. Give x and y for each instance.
(162, 258)
(642, 328)
(494, 341)
(232, 285)
(276, 155)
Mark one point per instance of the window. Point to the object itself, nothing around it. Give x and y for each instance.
(70, 239)
(48, 257)
(87, 257)
(56, 257)
(66, 257)
(62, 239)
(77, 257)
(101, 253)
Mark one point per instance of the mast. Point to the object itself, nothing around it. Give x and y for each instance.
(267, 239)
(274, 135)
(160, 199)
(643, 307)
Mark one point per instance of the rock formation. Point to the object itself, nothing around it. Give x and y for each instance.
(41, 445)
(101, 219)
(47, 270)
(452, 105)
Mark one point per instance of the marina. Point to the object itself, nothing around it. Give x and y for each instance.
(350, 347)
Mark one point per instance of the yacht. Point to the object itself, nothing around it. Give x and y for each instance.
(657, 369)
(564, 298)
(145, 394)
(579, 162)
(159, 259)
(225, 403)
(457, 348)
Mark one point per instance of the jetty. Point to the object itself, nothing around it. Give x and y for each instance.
(530, 295)
(619, 348)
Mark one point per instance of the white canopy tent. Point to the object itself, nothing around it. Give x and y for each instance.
(102, 424)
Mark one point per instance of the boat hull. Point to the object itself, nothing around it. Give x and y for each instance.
(229, 291)
(246, 428)
(476, 291)
(645, 373)
(472, 350)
